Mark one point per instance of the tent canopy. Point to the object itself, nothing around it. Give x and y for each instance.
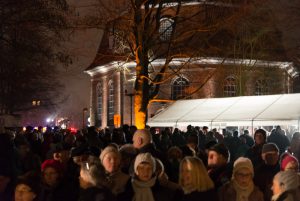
(283, 109)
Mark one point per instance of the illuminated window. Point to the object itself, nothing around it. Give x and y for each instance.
(180, 88)
(36, 103)
(261, 87)
(230, 87)
(110, 101)
(99, 103)
(165, 28)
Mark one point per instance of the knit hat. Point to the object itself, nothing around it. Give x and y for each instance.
(220, 149)
(107, 150)
(287, 179)
(54, 164)
(242, 162)
(144, 157)
(269, 147)
(286, 159)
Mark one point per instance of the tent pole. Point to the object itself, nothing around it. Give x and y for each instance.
(252, 128)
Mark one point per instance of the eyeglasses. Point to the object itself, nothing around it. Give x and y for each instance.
(242, 175)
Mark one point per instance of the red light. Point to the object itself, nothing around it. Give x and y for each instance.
(73, 130)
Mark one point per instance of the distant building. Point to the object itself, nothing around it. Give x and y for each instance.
(112, 78)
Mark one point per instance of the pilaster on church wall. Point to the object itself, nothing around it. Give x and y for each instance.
(93, 101)
(117, 93)
(104, 101)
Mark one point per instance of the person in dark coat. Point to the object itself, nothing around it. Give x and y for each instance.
(254, 153)
(194, 181)
(93, 183)
(279, 138)
(219, 168)
(264, 173)
(54, 185)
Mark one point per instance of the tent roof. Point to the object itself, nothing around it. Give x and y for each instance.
(283, 109)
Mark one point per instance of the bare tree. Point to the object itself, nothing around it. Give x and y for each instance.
(30, 35)
(181, 31)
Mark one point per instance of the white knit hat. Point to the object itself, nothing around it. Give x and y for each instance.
(107, 150)
(242, 162)
(144, 157)
(287, 179)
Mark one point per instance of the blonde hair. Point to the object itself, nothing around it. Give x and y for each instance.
(200, 179)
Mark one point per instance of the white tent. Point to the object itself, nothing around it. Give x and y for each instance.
(283, 109)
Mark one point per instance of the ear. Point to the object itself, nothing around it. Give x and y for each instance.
(140, 141)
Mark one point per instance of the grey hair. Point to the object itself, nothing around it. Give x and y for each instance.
(94, 172)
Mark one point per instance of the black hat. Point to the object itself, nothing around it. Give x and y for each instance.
(220, 149)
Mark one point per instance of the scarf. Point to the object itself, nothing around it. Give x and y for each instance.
(189, 189)
(142, 190)
(242, 193)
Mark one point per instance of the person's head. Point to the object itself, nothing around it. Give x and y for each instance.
(28, 187)
(285, 181)
(62, 153)
(144, 166)
(193, 175)
(235, 133)
(243, 171)
(270, 154)
(141, 138)
(192, 141)
(260, 136)
(110, 159)
(92, 174)
(218, 156)
(52, 171)
(23, 147)
(289, 162)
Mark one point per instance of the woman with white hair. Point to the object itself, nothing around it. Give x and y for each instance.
(195, 181)
(286, 186)
(93, 183)
(241, 186)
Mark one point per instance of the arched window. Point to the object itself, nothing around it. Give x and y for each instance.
(99, 104)
(110, 102)
(230, 87)
(165, 28)
(261, 87)
(179, 88)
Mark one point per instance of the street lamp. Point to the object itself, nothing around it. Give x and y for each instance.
(84, 110)
(130, 95)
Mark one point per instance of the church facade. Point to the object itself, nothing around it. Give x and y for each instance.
(209, 76)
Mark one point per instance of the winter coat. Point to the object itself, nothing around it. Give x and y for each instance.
(263, 179)
(209, 195)
(220, 175)
(96, 194)
(160, 193)
(228, 193)
(293, 195)
(117, 182)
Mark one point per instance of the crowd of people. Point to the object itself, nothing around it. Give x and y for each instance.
(127, 164)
